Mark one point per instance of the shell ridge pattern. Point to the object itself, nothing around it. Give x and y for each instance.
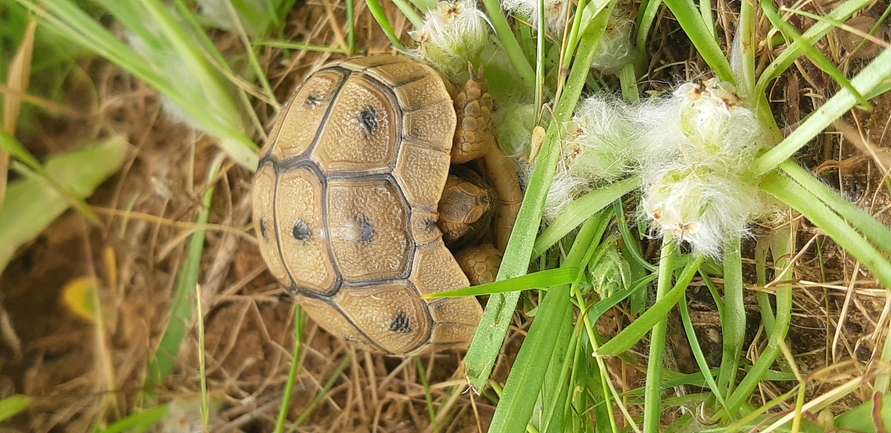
(335, 96)
(329, 299)
(338, 276)
(400, 316)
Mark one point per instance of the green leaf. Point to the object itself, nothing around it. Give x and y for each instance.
(164, 359)
(32, 204)
(12, 405)
(550, 277)
(698, 31)
(877, 72)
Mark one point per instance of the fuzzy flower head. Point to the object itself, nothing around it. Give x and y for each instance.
(555, 12)
(615, 49)
(695, 147)
(452, 34)
(703, 208)
(598, 140)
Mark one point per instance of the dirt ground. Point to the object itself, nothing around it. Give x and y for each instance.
(147, 210)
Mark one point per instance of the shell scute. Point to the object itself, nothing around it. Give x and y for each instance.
(264, 217)
(391, 314)
(421, 173)
(308, 108)
(368, 225)
(301, 230)
(360, 133)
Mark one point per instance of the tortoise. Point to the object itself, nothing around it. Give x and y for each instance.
(348, 209)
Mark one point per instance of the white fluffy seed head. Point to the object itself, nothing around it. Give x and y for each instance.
(513, 125)
(695, 147)
(615, 49)
(555, 12)
(453, 33)
(597, 145)
(565, 188)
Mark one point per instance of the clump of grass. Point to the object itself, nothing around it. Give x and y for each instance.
(704, 163)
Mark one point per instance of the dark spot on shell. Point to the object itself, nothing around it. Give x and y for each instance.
(264, 229)
(400, 323)
(302, 232)
(313, 100)
(366, 230)
(368, 120)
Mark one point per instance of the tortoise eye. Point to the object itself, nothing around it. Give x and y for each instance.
(400, 323)
(368, 120)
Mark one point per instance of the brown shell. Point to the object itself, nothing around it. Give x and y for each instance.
(345, 202)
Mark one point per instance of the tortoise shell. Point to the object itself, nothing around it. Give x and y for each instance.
(345, 205)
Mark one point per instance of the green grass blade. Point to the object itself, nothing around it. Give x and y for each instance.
(335, 375)
(377, 11)
(812, 52)
(652, 411)
(12, 405)
(293, 369)
(872, 228)
(546, 278)
(224, 122)
(782, 250)
(555, 311)
(643, 324)
(697, 352)
(490, 334)
(803, 201)
(511, 46)
(877, 72)
(140, 421)
(164, 358)
(733, 316)
(819, 29)
(580, 210)
(428, 398)
(698, 31)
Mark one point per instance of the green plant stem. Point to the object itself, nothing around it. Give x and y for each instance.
(525, 381)
(351, 25)
(293, 370)
(869, 77)
(733, 318)
(653, 386)
(803, 201)
(509, 43)
(783, 243)
(540, 59)
(489, 337)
